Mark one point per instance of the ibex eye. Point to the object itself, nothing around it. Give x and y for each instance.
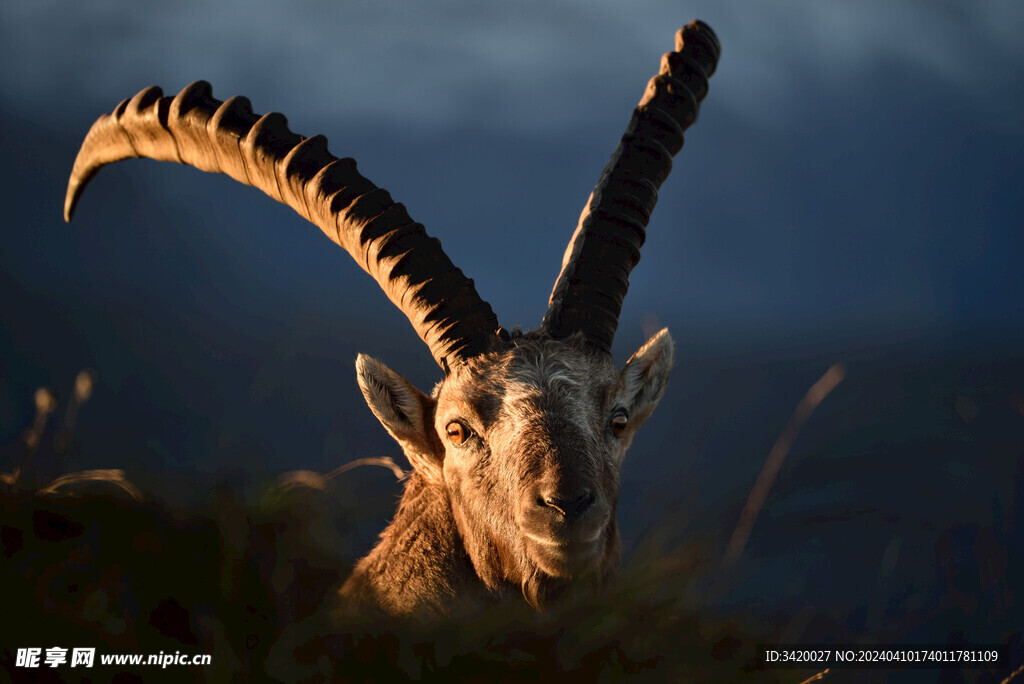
(457, 433)
(620, 419)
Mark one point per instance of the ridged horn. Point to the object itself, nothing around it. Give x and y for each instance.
(588, 294)
(226, 137)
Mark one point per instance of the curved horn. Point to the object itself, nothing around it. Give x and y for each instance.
(588, 294)
(226, 137)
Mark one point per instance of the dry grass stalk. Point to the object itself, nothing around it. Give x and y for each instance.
(311, 479)
(46, 404)
(382, 461)
(113, 476)
(84, 382)
(815, 395)
(1013, 675)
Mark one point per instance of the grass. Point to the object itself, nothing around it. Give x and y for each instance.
(249, 586)
(90, 560)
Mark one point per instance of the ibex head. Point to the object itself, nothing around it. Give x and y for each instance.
(526, 432)
(527, 440)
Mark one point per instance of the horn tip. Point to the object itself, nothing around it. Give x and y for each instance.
(70, 202)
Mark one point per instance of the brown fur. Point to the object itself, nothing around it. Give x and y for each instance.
(526, 506)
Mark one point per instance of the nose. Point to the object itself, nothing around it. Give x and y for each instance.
(568, 506)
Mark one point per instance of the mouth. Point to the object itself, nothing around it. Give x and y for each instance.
(556, 543)
(561, 557)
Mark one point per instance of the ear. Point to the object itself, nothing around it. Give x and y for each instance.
(405, 412)
(646, 376)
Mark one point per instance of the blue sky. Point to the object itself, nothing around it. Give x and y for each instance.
(853, 177)
(854, 166)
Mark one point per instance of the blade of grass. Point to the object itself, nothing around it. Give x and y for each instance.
(113, 476)
(755, 502)
(1013, 675)
(382, 461)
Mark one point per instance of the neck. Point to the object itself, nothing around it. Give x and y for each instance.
(419, 568)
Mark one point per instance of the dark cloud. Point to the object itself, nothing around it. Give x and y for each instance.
(445, 58)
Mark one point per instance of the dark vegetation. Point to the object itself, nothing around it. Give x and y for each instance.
(249, 580)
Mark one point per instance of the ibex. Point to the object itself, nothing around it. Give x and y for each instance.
(516, 452)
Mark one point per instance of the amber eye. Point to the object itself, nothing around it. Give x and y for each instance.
(620, 419)
(457, 433)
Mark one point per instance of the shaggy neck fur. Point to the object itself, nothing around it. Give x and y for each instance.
(428, 565)
(419, 567)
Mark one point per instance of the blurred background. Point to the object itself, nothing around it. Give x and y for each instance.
(850, 193)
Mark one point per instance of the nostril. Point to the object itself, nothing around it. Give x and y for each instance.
(568, 507)
(557, 504)
(582, 502)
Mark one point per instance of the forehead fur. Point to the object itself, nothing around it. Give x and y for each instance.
(530, 370)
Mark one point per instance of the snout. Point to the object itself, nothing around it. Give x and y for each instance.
(565, 525)
(568, 507)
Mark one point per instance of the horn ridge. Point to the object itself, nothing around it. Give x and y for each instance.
(195, 129)
(605, 247)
